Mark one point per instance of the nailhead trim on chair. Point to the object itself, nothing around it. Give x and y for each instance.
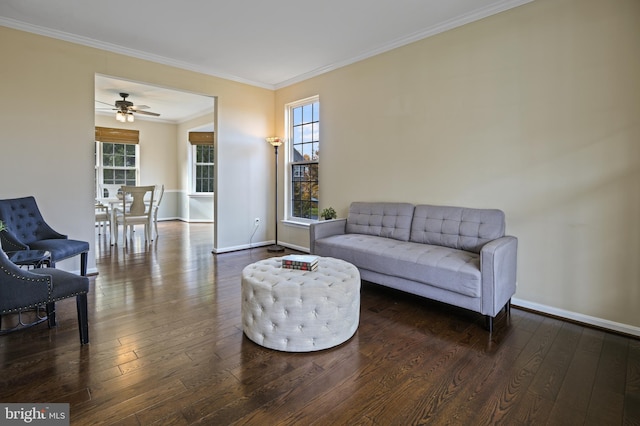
(34, 305)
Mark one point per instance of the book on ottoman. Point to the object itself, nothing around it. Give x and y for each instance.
(300, 261)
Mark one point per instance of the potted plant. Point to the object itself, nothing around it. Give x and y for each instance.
(328, 213)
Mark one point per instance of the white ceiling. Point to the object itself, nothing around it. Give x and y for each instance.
(172, 105)
(269, 44)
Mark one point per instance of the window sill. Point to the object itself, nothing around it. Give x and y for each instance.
(201, 195)
(298, 223)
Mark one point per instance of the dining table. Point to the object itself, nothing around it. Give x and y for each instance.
(112, 203)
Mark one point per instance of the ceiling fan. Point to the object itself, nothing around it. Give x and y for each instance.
(125, 109)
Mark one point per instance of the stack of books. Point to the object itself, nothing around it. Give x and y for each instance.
(300, 261)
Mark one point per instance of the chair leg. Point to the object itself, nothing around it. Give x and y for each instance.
(83, 321)
(155, 222)
(114, 233)
(51, 314)
(83, 264)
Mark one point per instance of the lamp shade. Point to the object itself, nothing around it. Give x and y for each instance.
(274, 141)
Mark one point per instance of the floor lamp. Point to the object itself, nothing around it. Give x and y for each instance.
(275, 143)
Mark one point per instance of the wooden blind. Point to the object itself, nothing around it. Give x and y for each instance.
(109, 134)
(201, 138)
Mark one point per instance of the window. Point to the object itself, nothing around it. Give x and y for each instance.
(202, 162)
(203, 168)
(303, 130)
(116, 164)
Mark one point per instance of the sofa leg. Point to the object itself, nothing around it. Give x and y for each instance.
(489, 323)
(488, 320)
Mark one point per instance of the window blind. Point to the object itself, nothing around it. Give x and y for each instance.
(110, 134)
(201, 138)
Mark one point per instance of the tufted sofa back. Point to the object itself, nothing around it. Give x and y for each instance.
(22, 218)
(456, 227)
(391, 220)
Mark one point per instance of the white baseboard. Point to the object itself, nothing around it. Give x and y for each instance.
(294, 247)
(234, 248)
(259, 244)
(187, 220)
(574, 316)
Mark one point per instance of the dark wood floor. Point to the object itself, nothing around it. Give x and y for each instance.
(167, 348)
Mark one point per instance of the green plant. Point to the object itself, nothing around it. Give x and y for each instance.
(328, 213)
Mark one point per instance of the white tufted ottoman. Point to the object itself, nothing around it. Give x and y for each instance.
(300, 311)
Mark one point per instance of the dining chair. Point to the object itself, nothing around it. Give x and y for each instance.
(156, 205)
(103, 217)
(134, 210)
(109, 190)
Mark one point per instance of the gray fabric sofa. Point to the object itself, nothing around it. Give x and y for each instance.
(460, 256)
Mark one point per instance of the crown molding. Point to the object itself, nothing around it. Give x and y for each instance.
(114, 48)
(494, 8)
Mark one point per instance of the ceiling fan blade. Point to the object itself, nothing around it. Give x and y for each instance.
(137, 107)
(106, 103)
(155, 114)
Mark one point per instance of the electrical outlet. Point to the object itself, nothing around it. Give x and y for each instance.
(256, 221)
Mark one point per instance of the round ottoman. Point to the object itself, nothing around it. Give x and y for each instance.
(300, 311)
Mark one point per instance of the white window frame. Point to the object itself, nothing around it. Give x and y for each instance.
(193, 168)
(99, 165)
(289, 162)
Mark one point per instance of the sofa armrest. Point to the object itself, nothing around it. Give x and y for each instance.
(498, 266)
(325, 229)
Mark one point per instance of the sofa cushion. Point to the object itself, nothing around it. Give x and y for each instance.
(456, 227)
(390, 220)
(443, 267)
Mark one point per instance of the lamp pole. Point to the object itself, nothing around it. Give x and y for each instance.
(275, 142)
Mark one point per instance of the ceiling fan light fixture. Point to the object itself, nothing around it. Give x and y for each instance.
(125, 110)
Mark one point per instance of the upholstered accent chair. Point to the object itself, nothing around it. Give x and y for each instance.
(23, 290)
(27, 230)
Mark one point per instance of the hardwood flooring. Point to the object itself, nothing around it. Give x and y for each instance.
(167, 348)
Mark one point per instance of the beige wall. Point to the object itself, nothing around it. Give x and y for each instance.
(199, 208)
(157, 149)
(47, 122)
(534, 111)
(158, 165)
